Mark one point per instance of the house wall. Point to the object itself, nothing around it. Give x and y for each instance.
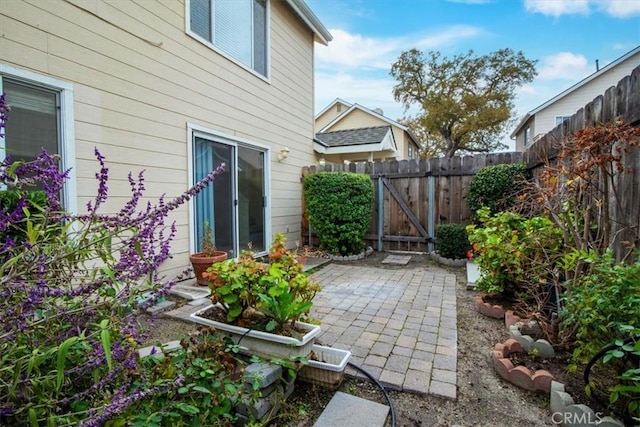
(330, 114)
(133, 98)
(520, 136)
(572, 102)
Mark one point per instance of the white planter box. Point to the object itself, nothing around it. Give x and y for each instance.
(328, 370)
(265, 344)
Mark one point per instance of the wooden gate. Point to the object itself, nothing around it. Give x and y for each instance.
(404, 215)
(413, 196)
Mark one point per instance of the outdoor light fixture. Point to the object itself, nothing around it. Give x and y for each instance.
(284, 153)
(322, 162)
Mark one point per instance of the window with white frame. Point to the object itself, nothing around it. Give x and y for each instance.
(40, 118)
(527, 136)
(237, 28)
(561, 119)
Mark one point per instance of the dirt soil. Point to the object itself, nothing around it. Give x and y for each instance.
(484, 399)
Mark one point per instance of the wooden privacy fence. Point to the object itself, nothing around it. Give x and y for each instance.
(413, 196)
(620, 102)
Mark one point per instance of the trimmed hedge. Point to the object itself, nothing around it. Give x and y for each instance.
(339, 206)
(495, 187)
(452, 241)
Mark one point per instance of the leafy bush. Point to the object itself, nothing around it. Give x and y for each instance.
(212, 382)
(69, 296)
(495, 187)
(339, 209)
(452, 241)
(513, 253)
(627, 389)
(598, 304)
(280, 290)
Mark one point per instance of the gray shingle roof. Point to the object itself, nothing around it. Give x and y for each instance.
(360, 136)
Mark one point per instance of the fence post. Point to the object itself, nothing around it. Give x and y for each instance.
(431, 210)
(380, 213)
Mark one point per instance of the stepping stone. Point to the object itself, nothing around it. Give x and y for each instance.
(473, 274)
(397, 259)
(160, 307)
(352, 411)
(312, 262)
(190, 292)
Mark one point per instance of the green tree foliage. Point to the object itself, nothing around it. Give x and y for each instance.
(431, 146)
(466, 100)
(339, 209)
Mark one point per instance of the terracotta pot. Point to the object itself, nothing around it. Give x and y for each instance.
(201, 262)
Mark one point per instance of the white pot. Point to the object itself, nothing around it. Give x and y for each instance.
(265, 344)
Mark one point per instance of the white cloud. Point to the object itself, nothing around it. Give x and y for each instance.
(556, 8)
(619, 8)
(348, 50)
(566, 66)
(371, 92)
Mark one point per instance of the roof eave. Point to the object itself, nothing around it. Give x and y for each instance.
(585, 81)
(321, 34)
(524, 120)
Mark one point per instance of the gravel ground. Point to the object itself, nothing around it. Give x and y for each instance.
(483, 398)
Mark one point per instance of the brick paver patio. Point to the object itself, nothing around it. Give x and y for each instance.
(400, 325)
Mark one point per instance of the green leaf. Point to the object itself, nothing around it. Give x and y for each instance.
(32, 417)
(202, 389)
(105, 339)
(187, 409)
(62, 358)
(271, 326)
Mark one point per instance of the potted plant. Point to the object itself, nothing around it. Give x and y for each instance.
(202, 260)
(261, 304)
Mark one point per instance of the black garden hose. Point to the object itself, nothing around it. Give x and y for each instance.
(587, 370)
(384, 391)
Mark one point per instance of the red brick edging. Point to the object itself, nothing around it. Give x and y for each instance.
(487, 309)
(539, 381)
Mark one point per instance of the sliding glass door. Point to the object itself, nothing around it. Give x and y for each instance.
(235, 204)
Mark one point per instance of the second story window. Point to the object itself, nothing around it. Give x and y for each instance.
(561, 119)
(237, 28)
(527, 136)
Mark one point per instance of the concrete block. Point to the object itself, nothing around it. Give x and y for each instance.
(265, 405)
(544, 348)
(347, 410)
(263, 372)
(559, 400)
(160, 307)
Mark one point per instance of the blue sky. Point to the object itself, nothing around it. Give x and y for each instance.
(565, 36)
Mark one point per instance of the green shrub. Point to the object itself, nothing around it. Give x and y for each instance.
(495, 187)
(452, 240)
(513, 253)
(339, 209)
(598, 304)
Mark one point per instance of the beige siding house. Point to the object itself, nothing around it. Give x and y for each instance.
(163, 86)
(352, 133)
(552, 113)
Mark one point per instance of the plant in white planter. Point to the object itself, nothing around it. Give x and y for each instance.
(259, 300)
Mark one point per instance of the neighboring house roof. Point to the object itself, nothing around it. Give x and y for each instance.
(321, 34)
(363, 109)
(375, 138)
(573, 88)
